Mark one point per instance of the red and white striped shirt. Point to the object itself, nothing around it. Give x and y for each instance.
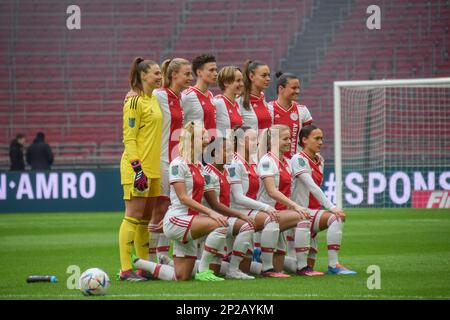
(191, 175)
(271, 166)
(199, 107)
(172, 112)
(302, 164)
(227, 114)
(259, 116)
(242, 173)
(296, 117)
(217, 181)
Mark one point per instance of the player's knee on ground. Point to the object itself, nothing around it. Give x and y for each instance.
(182, 275)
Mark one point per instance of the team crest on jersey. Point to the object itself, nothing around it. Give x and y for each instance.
(294, 116)
(131, 122)
(302, 162)
(232, 172)
(175, 170)
(266, 165)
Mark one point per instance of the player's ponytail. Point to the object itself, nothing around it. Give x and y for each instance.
(249, 68)
(247, 85)
(139, 65)
(305, 132)
(169, 66)
(283, 78)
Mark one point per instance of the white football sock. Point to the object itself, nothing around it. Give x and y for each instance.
(302, 242)
(269, 239)
(334, 239)
(257, 239)
(241, 244)
(290, 236)
(255, 268)
(313, 249)
(152, 243)
(214, 243)
(290, 264)
(163, 246)
(160, 271)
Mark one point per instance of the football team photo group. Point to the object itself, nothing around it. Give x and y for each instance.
(225, 150)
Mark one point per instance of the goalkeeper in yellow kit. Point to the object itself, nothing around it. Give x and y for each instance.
(139, 167)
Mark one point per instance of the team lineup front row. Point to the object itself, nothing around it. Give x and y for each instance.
(232, 181)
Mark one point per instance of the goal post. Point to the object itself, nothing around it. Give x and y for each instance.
(392, 143)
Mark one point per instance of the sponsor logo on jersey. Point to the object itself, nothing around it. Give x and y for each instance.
(266, 165)
(232, 172)
(207, 179)
(175, 170)
(131, 122)
(301, 162)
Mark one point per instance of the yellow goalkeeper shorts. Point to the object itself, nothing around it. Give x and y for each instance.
(154, 190)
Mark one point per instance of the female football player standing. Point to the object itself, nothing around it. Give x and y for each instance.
(231, 83)
(177, 75)
(197, 100)
(307, 172)
(286, 110)
(253, 106)
(139, 166)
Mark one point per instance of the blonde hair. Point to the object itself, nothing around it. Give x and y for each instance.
(169, 66)
(187, 141)
(265, 143)
(226, 75)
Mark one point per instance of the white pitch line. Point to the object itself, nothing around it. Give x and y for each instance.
(169, 295)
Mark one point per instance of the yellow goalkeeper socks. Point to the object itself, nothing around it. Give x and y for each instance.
(127, 235)
(141, 240)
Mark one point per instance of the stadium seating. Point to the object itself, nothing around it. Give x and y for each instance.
(70, 84)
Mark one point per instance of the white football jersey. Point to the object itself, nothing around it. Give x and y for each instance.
(172, 112)
(199, 107)
(228, 115)
(258, 116)
(240, 172)
(301, 193)
(191, 175)
(217, 181)
(296, 117)
(270, 166)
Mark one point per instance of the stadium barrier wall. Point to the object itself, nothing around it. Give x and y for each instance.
(60, 191)
(100, 190)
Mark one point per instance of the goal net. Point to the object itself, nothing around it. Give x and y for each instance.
(392, 143)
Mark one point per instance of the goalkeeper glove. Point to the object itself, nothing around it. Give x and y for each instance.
(140, 179)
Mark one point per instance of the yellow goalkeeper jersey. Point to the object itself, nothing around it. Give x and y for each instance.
(142, 130)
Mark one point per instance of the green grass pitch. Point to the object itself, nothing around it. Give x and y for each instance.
(411, 247)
